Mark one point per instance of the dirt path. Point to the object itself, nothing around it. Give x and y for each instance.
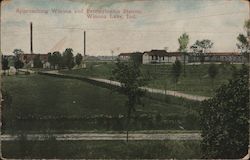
(151, 90)
(105, 136)
(159, 91)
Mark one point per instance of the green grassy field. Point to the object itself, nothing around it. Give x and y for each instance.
(102, 149)
(196, 81)
(40, 104)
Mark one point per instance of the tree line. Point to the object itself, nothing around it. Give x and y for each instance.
(56, 60)
(66, 59)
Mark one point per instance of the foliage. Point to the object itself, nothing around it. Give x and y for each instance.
(78, 59)
(17, 52)
(212, 72)
(136, 58)
(18, 64)
(200, 48)
(176, 70)
(183, 42)
(55, 59)
(243, 45)
(224, 120)
(129, 75)
(68, 58)
(5, 64)
(37, 62)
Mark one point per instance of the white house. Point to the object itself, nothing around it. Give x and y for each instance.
(124, 56)
(160, 56)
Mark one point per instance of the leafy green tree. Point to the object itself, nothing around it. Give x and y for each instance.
(131, 79)
(5, 64)
(244, 42)
(18, 64)
(224, 120)
(243, 45)
(17, 52)
(68, 58)
(201, 48)
(136, 57)
(212, 72)
(183, 42)
(37, 62)
(176, 70)
(78, 59)
(55, 59)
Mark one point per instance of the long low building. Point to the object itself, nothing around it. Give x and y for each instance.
(162, 56)
(28, 59)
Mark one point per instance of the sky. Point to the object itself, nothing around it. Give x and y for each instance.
(120, 25)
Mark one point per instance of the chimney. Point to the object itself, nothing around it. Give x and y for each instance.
(84, 43)
(31, 38)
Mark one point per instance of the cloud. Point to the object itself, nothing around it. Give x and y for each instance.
(159, 25)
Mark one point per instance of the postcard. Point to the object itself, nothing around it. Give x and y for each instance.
(125, 79)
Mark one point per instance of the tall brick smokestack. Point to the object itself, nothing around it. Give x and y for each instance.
(31, 38)
(84, 43)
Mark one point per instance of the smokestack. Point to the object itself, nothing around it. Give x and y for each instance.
(31, 38)
(84, 43)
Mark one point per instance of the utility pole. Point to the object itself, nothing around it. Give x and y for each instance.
(31, 38)
(84, 49)
(1, 74)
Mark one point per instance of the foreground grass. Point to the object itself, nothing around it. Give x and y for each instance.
(39, 104)
(102, 149)
(196, 81)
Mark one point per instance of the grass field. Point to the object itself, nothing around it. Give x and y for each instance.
(196, 81)
(102, 149)
(40, 104)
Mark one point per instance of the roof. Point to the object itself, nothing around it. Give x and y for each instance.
(124, 54)
(223, 53)
(129, 54)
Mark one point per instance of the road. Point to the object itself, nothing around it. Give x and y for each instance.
(150, 90)
(158, 91)
(108, 136)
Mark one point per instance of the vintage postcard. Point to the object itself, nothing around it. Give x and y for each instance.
(124, 79)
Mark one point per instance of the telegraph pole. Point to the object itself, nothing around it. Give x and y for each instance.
(1, 77)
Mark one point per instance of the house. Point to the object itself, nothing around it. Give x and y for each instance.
(127, 56)
(124, 56)
(28, 59)
(161, 56)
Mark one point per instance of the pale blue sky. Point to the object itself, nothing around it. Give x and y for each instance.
(159, 25)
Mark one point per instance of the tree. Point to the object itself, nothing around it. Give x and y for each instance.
(183, 42)
(55, 59)
(68, 58)
(176, 70)
(78, 59)
(136, 57)
(201, 48)
(17, 52)
(5, 64)
(129, 75)
(224, 120)
(243, 45)
(37, 62)
(18, 64)
(212, 72)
